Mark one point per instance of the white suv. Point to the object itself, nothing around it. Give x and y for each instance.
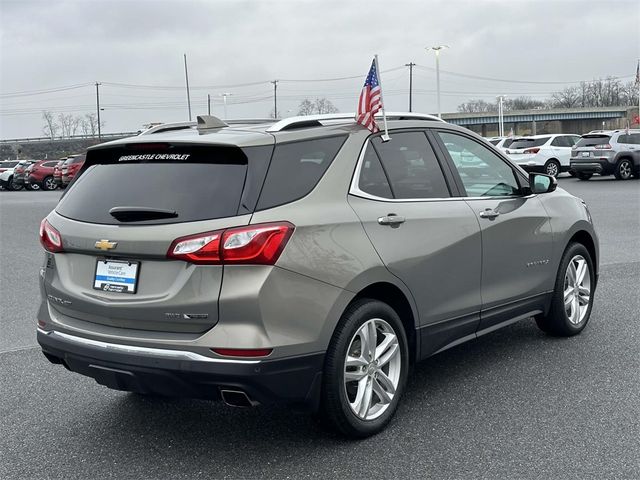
(548, 154)
(502, 143)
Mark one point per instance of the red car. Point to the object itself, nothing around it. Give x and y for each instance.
(70, 167)
(41, 174)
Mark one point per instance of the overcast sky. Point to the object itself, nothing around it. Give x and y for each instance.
(49, 45)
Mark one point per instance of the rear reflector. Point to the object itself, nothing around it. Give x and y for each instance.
(50, 237)
(259, 244)
(243, 352)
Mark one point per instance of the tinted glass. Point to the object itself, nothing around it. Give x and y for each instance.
(411, 166)
(8, 164)
(204, 189)
(593, 140)
(635, 138)
(296, 168)
(528, 142)
(483, 173)
(372, 177)
(494, 142)
(50, 164)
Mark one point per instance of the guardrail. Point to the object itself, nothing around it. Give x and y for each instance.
(72, 137)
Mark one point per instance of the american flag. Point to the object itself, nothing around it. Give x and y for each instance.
(370, 101)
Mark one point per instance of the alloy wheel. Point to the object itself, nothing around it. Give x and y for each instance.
(552, 169)
(577, 289)
(372, 369)
(624, 169)
(49, 183)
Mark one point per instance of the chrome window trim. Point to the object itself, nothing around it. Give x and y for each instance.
(354, 189)
(141, 351)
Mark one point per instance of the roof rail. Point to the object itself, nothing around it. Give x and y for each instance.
(165, 127)
(319, 120)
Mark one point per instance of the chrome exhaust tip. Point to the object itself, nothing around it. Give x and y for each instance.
(237, 398)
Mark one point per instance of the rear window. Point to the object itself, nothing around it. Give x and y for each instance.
(593, 140)
(528, 142)
(507, 143)
(195, 183)
(8, 164)
(296, 168)
(73, 160)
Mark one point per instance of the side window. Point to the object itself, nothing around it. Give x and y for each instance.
(635, 138)
(483, 173)
(624, 138)
(50, 164)
(558, 142)
(372, 177)
(411, 166)
(573, 140)
(296, 168)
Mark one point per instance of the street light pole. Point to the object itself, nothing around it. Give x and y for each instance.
(437, 50)
(186, 77)
(224, 100)
(501, 115)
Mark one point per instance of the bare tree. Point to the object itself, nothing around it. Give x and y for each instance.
(570, 97)
(89, 124)
(523, 103)
(319, 105)
(477, 106)
(50, 127)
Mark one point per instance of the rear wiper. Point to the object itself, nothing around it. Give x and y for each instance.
(139, 214)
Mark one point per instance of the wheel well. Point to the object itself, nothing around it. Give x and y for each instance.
(585, 239)
(396, 299)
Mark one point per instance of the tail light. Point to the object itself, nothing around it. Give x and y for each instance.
(531, 150)
(602, 146)
(50, 237)
(259, 244)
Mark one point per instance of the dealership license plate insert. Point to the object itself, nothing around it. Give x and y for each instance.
(116, 276)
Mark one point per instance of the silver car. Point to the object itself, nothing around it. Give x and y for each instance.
(304, 262)
(607, 152)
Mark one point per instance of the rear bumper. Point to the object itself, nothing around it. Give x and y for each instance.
(592, 166)
(293, 381)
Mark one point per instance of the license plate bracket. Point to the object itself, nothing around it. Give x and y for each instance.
(118, 276)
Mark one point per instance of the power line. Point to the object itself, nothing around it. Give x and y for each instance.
(532, 82)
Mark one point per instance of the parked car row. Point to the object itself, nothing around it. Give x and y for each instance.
(39, 174)
(604, 152)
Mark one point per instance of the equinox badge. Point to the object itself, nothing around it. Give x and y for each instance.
(105, 245)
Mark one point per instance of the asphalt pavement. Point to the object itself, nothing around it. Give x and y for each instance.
(513, 404)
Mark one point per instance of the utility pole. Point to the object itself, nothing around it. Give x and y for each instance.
(275, 98)
(410, 65)
(437, 50)
(98, 109)
(208, 104)
(186, 77)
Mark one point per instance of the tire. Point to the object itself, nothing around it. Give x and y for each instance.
(623, 169)
(573, 173)
(552, 167)
(49, 183)
(340, 399)
(572, 300)
(584, 176)
(32, 186)
(13, 186)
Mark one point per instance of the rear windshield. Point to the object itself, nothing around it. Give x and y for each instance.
(8, 164)
(593, 140)
(528, 142)
(196, 184)
(73, 160)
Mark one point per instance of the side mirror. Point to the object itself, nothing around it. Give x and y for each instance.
(541, 183)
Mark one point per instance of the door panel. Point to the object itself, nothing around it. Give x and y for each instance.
(435, 252)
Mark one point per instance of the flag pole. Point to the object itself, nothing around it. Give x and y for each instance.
(385, 137)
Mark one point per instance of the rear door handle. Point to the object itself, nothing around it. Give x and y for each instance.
(489, 213)
(391, 219)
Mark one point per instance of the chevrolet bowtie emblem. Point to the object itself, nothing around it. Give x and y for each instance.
(106, 245)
